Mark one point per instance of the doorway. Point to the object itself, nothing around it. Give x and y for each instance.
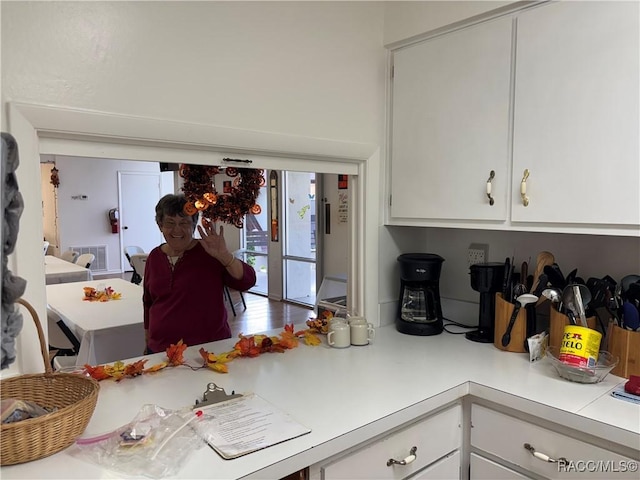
(300, 250)
(139, 193)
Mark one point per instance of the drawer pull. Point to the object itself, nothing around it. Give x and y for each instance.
(543, 457)
(412, 456)
(492, 175)
(523, 188)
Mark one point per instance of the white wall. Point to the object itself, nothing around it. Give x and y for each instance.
(593, 256)
(312, 69)
(403, 20)
(336, 243)
(85, 222)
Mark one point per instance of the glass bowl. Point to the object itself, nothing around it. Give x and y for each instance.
(606, 363)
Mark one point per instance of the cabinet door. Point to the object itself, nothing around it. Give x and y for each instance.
(450, 124)
(576, 113)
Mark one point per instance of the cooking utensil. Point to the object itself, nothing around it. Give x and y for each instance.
(628, 280)
(544, 258)
(522, 300)
(630, 316)
(556, 278)
(582, 296)
(574, 298)
(571, 277)
(507, 274)
(552, 294)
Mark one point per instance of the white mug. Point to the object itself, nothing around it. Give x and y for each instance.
(339, 335)
(362, 333)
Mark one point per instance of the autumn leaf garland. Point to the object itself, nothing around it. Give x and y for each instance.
(246, 346)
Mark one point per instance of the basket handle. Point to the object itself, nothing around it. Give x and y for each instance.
(43, 345)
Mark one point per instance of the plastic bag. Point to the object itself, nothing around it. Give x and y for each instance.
(155, 444)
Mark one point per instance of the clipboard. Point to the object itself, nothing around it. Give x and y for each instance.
(241, 424)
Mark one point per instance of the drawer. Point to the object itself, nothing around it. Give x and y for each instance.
(484, 469)
(505, 436)
(447, 468)
(434, 437)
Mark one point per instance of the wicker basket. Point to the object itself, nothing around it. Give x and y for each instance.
(73, 396)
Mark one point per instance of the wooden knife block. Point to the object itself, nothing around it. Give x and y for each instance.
(625, 345)
(557, 322)
(504, 310)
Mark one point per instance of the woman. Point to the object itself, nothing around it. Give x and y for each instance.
(184, 280)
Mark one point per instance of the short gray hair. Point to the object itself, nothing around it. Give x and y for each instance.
(171, 205)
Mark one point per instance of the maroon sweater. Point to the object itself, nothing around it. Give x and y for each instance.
(187, 302)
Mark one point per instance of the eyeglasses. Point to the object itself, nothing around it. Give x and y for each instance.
(170, 225)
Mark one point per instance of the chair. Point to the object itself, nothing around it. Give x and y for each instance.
(138, 262)
(70, 256)
(62, 341)
(129, 252)
(227, 296)
(85, 260)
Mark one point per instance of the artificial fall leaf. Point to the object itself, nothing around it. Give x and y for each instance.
(227, 356)
(311, 339)
(175, 353)
(270, 346)
(288, 327)
(97, 373)
(134, 369)
(117, 369)
(247, 347)
(288, 340)
(218, 367)
(155, 368)
(217, 362)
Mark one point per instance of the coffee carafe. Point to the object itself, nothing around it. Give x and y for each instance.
(419, 308)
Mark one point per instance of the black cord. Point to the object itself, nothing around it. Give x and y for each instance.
(456, 324)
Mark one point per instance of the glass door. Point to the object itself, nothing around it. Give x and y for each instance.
(299, 235)
(255, 242)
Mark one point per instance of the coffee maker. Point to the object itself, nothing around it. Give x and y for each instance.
(486, 278)
(419, 308)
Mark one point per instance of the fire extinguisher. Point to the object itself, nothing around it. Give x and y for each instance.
(114, 220)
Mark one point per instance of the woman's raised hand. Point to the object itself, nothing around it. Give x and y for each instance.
(213, 242)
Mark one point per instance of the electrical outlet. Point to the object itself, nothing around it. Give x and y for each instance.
(477, 253)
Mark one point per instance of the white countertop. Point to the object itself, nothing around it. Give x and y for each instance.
(347, 396)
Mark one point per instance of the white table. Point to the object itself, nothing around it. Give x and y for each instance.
(108, 331)
(58, 270)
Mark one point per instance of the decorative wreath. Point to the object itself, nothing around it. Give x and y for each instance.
(55, 179)
(229, 207)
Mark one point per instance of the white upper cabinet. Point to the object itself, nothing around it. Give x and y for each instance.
(576, 114)
(450, 125)
(553, 90)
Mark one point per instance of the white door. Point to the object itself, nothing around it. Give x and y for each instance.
(139, 194)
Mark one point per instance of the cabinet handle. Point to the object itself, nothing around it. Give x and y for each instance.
(543, 457)
(523, 187)
(492, 174)
(412, 456)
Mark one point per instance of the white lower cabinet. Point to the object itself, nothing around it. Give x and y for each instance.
(484, 469)
(435, 438)
(529, 447)
(446, 468)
